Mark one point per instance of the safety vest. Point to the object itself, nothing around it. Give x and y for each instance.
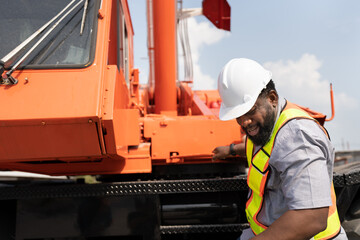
(259, 171)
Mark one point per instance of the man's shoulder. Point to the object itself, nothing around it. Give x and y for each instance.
(299, 134)
(301, 126)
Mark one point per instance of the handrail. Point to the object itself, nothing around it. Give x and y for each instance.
(332, 104)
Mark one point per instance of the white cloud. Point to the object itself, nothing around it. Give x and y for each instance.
(202, 34)
(301, 82)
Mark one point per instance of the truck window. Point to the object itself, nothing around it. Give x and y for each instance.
(64, 46)
(123, 52)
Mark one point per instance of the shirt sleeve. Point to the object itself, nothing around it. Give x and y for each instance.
(303, 158)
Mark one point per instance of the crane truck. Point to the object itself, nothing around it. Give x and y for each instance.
(127, 160)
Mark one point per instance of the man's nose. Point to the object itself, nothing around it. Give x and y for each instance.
(244, 121)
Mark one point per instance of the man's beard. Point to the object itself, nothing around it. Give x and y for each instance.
(265, 131)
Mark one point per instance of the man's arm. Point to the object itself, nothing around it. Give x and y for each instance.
(222, 152)
(297, 225)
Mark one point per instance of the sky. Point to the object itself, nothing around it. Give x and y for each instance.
(306, 45)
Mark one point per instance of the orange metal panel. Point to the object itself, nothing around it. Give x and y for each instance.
(122, 141)
(122, 130)
(51, 94)
(138, 160)
(122, 138)
(126, 126)
(91, 166)
(188, 136)
(46, 139)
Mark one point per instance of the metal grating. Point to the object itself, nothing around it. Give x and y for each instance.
(352, 178)
(211, 228)
(124, 188)
(56, 190)
(339, 180)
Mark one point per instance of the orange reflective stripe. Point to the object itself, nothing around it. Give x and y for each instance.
(258, 175)
(332, 208)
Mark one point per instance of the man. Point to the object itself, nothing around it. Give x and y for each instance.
(289, 154)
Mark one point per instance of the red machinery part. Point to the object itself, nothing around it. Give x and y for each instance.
(218, 12)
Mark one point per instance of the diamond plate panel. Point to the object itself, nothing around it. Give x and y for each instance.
(211, 228)
(124, 188)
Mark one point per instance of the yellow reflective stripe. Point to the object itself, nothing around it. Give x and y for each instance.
(333, 227)
(251, 213)
(261, 161)
(289, 114)
(252, 205)
(256, 180)
(249, 150)
(295, 113)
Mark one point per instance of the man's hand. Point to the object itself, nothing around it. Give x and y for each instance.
(221, 152)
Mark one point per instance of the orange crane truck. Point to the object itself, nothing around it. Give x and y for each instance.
(72, 106)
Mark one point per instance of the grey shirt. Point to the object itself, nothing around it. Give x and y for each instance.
(301, 170)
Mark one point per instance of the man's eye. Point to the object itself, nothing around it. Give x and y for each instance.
(252, 111)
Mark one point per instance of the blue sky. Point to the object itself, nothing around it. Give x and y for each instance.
(306, 44)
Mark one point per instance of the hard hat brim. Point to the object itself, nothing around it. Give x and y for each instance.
(229, 113)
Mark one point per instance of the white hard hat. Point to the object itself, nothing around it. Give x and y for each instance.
(240, 83)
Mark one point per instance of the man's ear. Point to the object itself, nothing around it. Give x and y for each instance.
(273, 98)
